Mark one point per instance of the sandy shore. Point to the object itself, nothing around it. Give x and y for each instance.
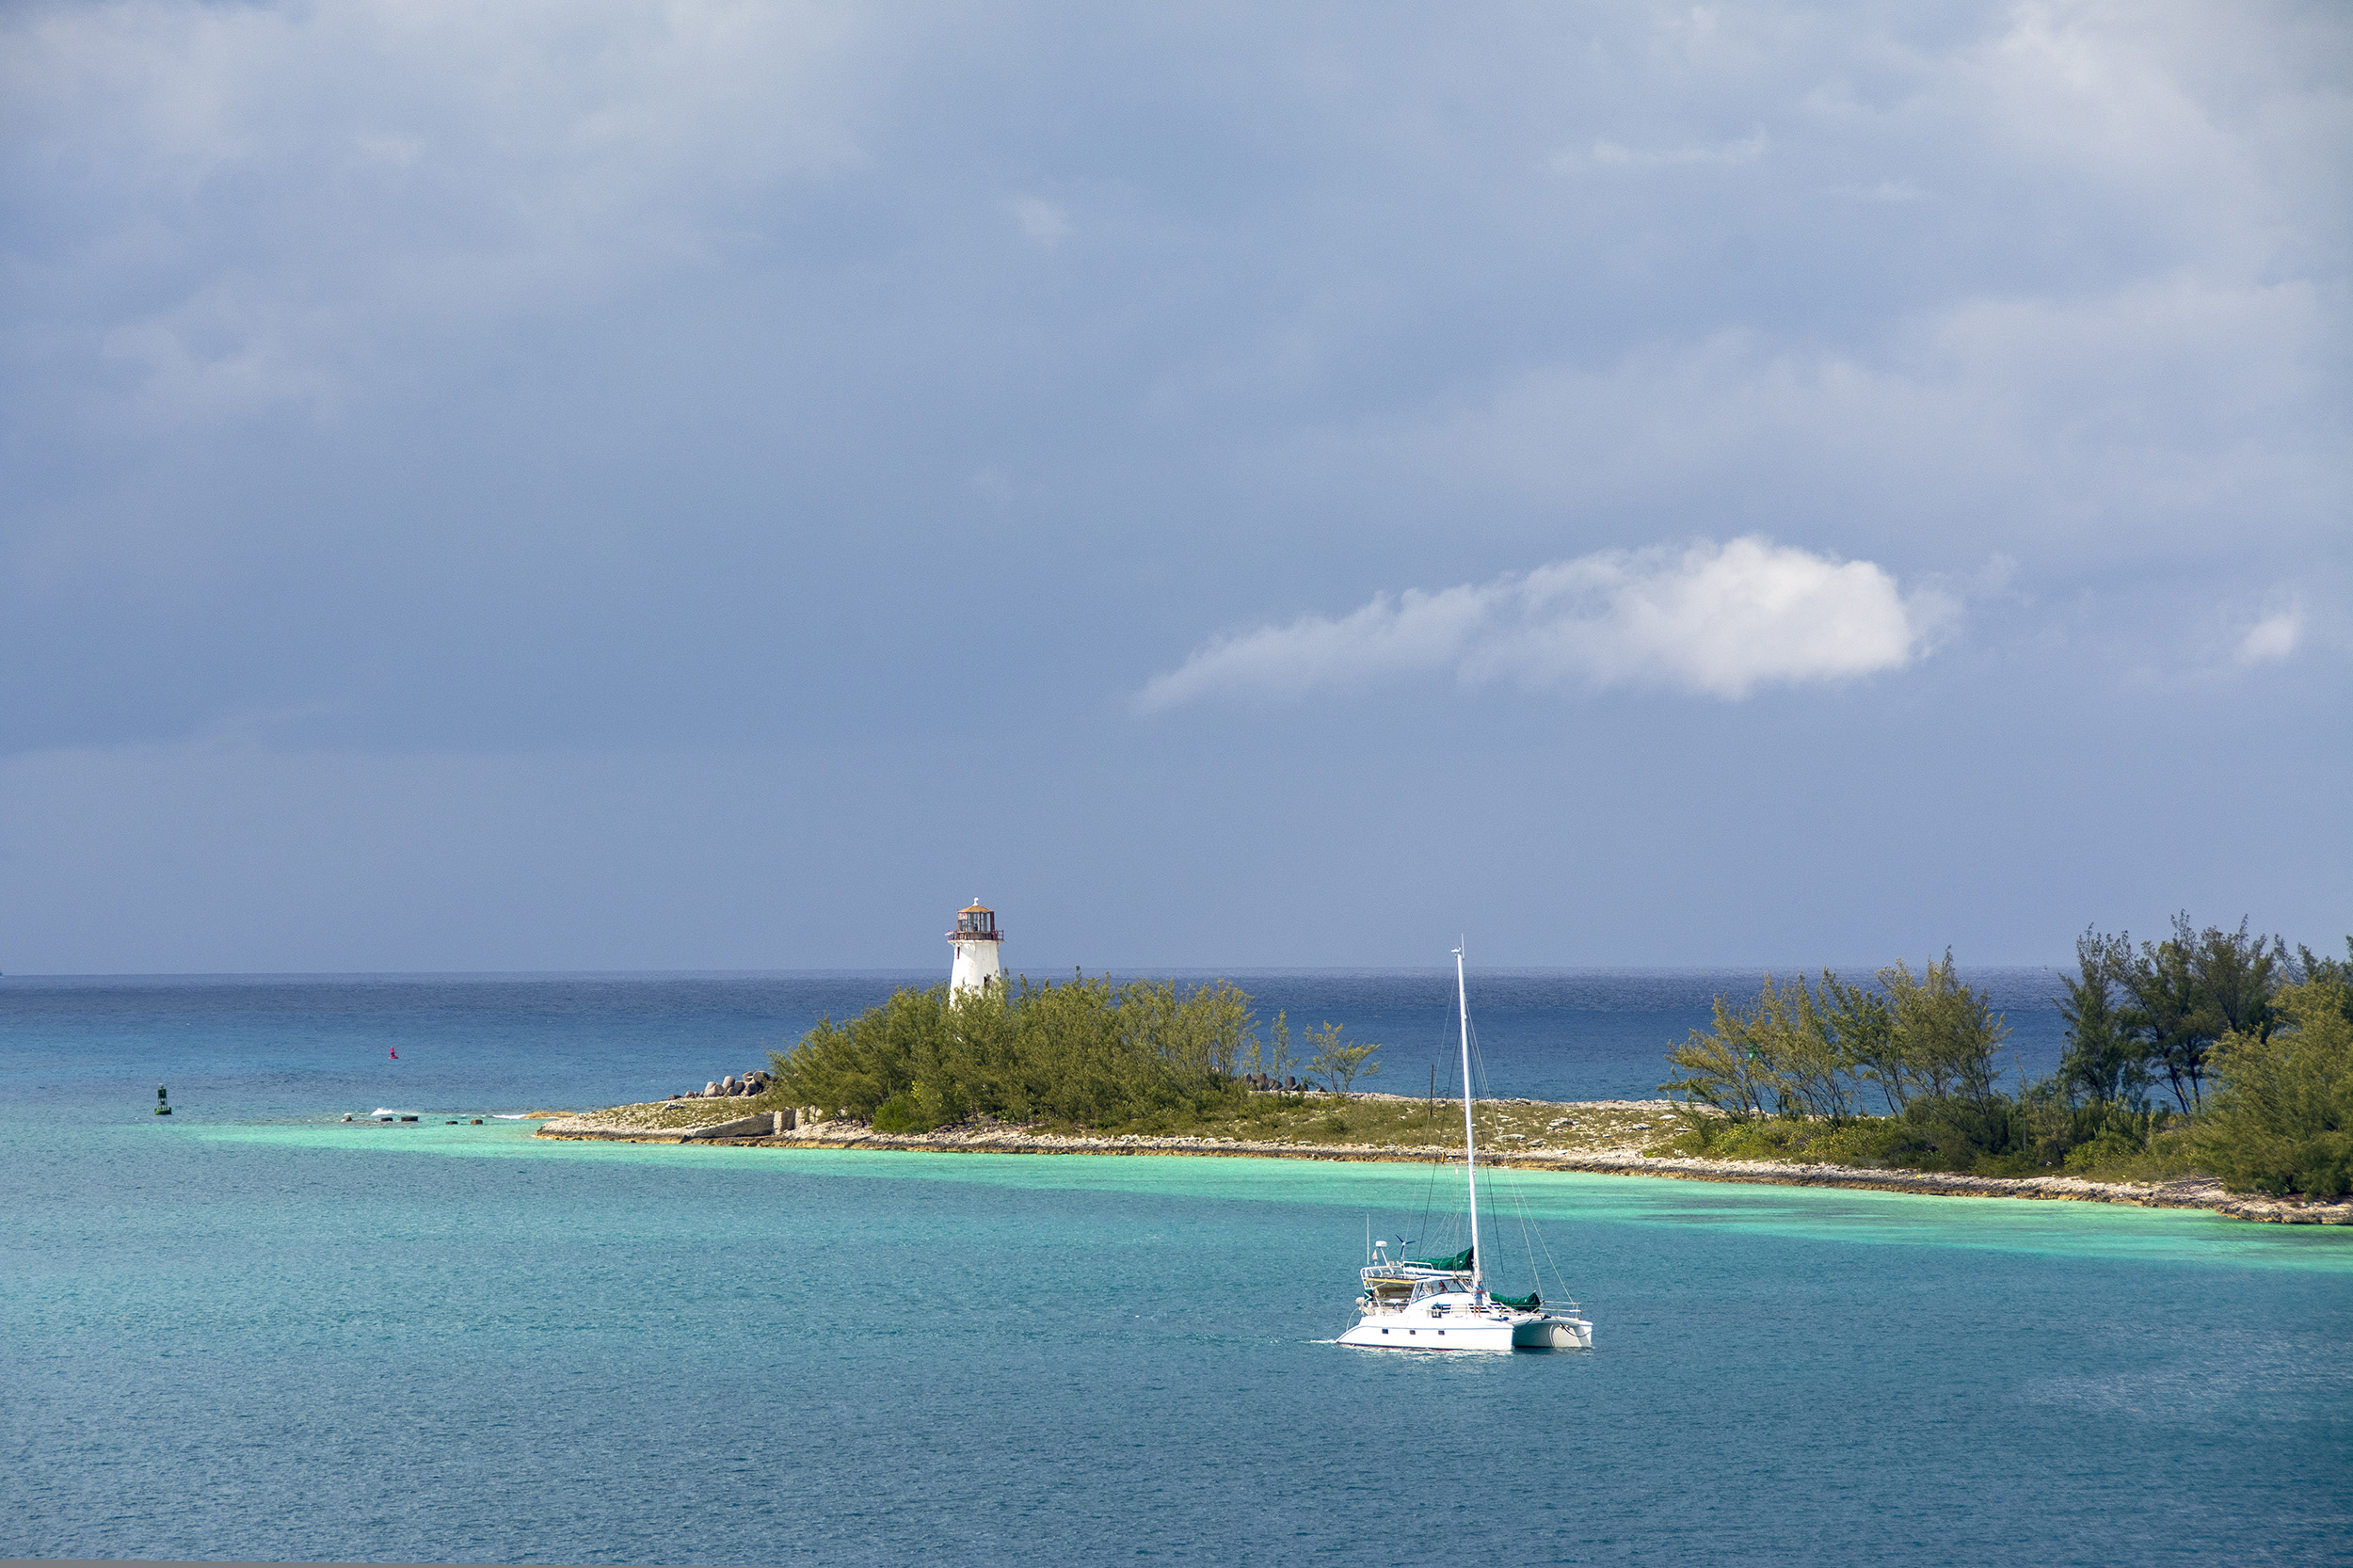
(673, 1122)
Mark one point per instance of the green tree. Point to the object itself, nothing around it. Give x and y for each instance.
(1274, 1058)
(1723, 1067)
(2281, 1118)
(1789, 1052)
(2103, 1060)
(2183, 994)
(1944, 1032)
(1338, 1065)
(2311, 966)
(1862, 1031)
(1809, 1068)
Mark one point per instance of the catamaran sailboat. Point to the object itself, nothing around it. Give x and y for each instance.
(1442, 1303)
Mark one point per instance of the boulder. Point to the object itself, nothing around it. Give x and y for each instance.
(710, 1091)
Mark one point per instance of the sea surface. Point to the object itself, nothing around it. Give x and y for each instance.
(254, 1330)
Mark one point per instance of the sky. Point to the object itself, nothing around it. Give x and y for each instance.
(710, 486)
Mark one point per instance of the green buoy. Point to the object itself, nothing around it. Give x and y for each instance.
(162, 1106)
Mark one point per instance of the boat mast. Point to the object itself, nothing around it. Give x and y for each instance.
(1470, 1152)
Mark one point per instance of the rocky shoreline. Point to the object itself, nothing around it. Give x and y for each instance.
(660, 1123)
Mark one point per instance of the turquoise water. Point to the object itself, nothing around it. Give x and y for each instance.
(243, 1335)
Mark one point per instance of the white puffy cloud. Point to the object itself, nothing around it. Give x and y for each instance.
(1716, 619)
(2272, 638)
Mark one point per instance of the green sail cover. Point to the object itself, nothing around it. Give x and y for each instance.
(1530, 1301)
(1460, 1260)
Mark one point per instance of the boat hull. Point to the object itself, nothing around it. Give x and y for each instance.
(1534, 1334)
(1394, 1334)
(1553, 1334)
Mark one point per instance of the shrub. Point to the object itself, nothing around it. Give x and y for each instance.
(1087, 1053)
(900, 1114)
(2110, 1146)
(1962, 1132)
(2281, 1119)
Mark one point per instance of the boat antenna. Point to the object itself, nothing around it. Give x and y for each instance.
(1470, 1150)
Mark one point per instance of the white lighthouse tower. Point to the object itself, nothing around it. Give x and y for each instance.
(977, 941)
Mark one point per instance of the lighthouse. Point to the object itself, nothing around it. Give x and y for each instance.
(976, 939)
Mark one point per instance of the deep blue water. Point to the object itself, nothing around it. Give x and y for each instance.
(268, 1047)
(253, 1331)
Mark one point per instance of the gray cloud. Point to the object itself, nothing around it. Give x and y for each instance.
(2070, 429)
(895, 392)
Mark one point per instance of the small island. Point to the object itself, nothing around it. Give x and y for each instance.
(2262, 1130)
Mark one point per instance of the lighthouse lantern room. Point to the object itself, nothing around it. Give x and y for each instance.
(977, 941)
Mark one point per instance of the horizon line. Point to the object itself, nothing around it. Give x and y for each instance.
(895, 971)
